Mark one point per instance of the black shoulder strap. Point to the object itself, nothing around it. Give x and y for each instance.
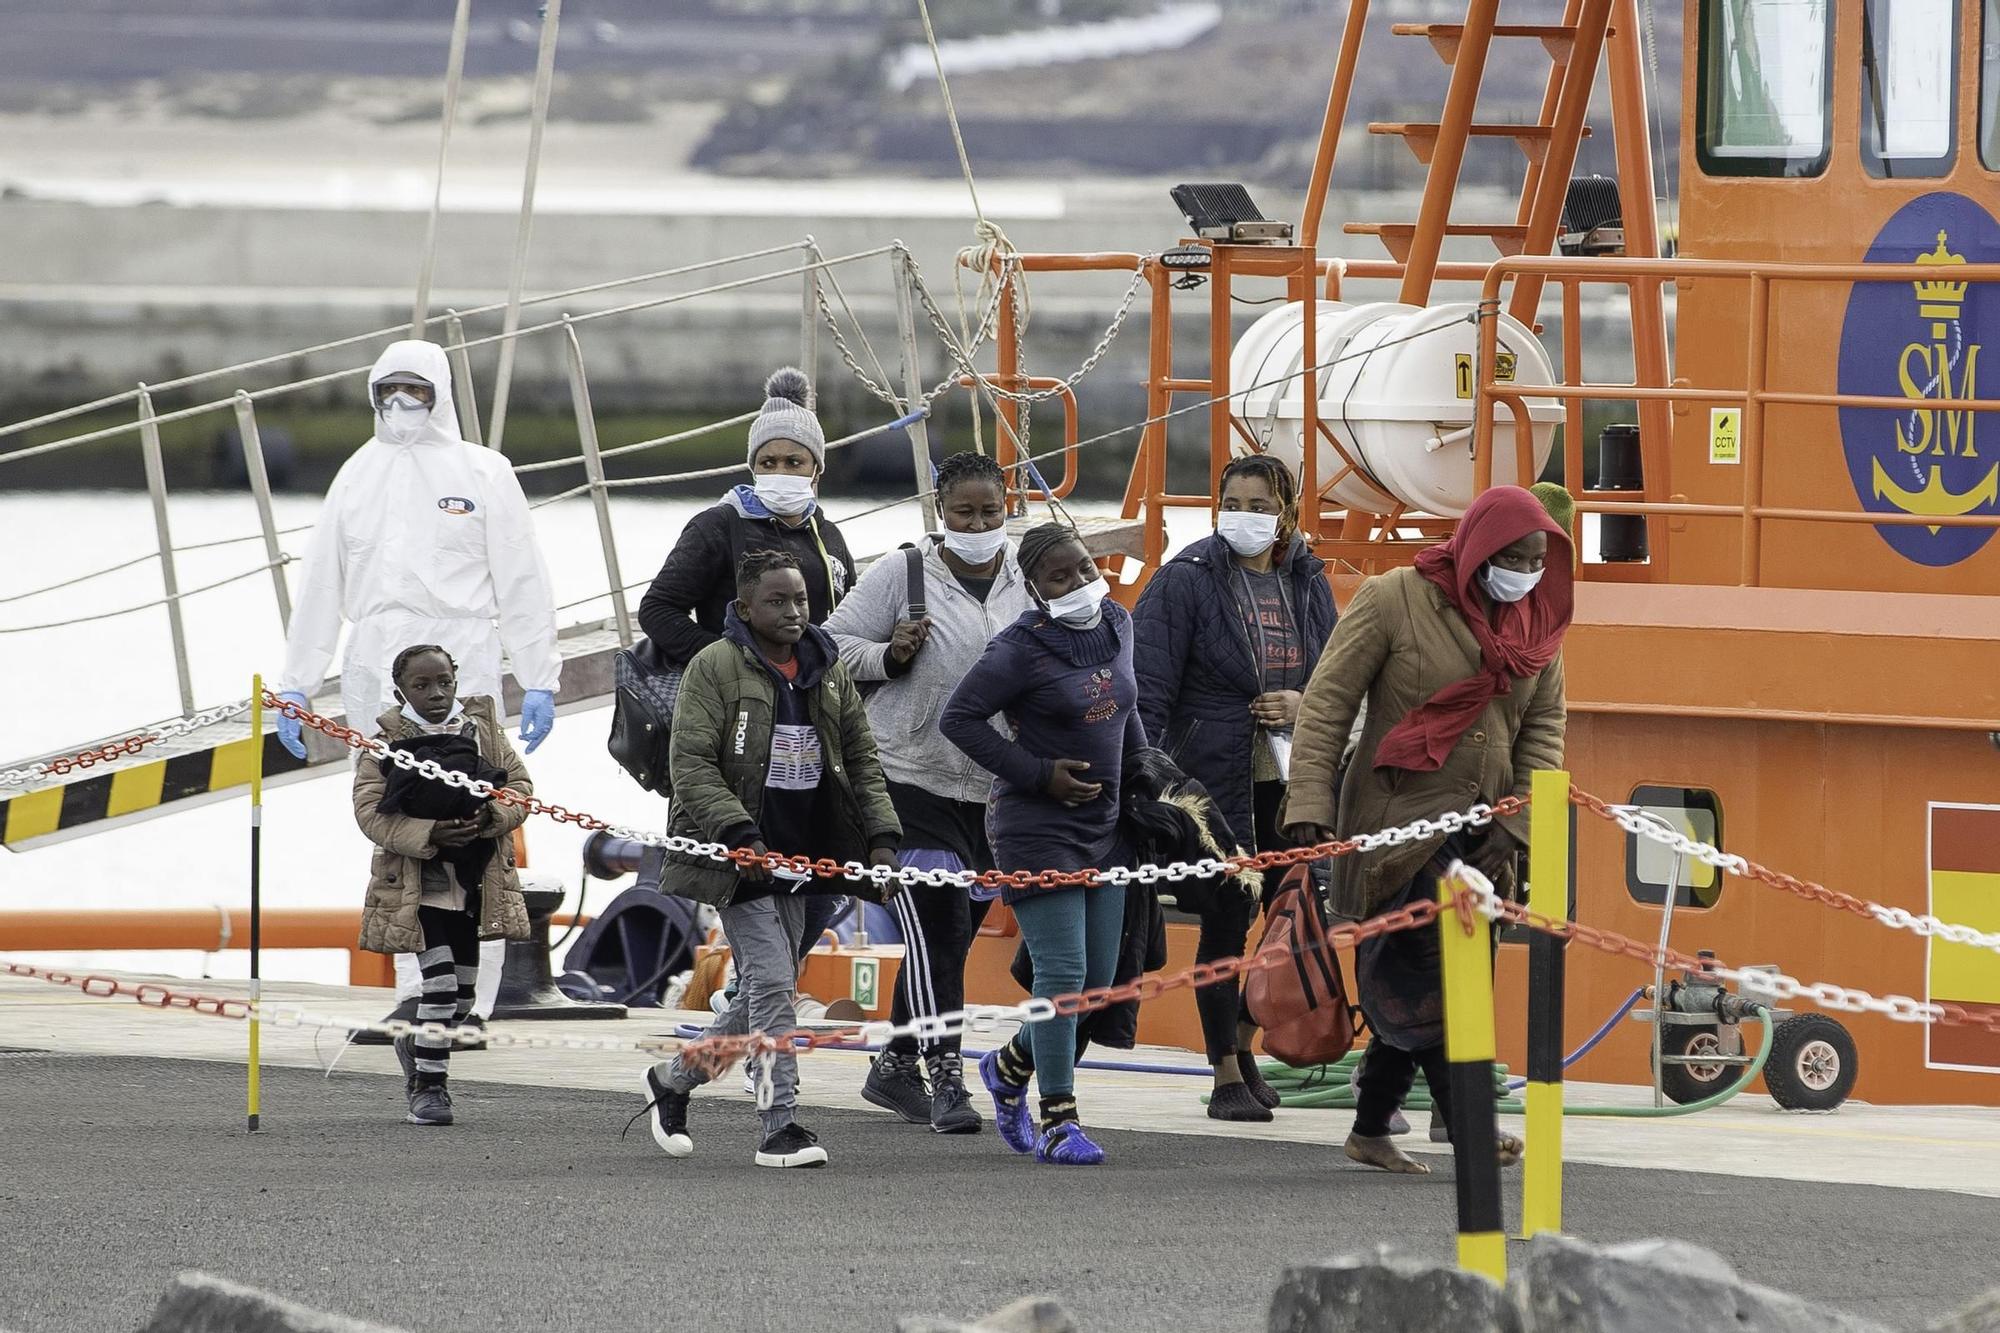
(913, 557)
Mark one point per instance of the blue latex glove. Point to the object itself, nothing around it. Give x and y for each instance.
(288, 727)
(538, 717)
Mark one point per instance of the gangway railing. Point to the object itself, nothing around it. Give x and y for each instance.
(1755, 395)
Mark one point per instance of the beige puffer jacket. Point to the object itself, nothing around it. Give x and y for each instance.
(403, 844)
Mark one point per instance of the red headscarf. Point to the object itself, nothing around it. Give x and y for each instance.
(1517, 643)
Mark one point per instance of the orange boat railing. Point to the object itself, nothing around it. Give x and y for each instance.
(1755, 395)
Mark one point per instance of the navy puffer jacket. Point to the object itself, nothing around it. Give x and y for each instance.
(1196, 671)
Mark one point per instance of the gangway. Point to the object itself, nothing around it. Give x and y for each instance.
(208, 754)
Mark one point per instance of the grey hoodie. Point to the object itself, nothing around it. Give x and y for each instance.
(904, 712)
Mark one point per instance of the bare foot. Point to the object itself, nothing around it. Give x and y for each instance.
(1383, 1153)
(1508, 1149)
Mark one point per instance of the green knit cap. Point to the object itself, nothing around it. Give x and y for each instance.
(1559, 502)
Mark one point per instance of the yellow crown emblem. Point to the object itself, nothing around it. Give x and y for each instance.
(1938, 300)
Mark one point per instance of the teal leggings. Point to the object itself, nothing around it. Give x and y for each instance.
(1072, 937)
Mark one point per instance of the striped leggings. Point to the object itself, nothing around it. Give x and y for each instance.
(938, 924)
(449, 962)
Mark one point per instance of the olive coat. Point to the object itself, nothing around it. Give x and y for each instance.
(403, 844)
(1398, 643)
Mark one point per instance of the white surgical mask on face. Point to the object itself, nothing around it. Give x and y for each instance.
(1081, 607)
(402, 417)
(1247, 533)
(976, 548)
(1508, 585)
(785, 493)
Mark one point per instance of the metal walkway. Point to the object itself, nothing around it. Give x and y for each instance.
(213, 761)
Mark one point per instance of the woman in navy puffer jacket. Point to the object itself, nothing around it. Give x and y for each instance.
(1229, 631)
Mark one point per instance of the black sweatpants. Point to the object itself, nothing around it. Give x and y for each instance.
(1225, 930)
(449, 962)
(938, 924)
(1385, 1079)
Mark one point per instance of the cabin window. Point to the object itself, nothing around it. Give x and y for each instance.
(1764, 92)
(1651, 868)
(1989, 86)
(1909, 86)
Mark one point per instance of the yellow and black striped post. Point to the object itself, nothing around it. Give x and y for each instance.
(1469, 1046)
(1551, 827)
(256, 1091)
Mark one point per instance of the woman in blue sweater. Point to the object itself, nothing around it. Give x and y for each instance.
(1062, 676)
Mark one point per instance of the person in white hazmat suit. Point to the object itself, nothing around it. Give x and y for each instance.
(424, 538)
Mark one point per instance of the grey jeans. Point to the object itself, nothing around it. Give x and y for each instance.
(764, 936)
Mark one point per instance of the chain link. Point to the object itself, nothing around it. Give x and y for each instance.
(20, 777)
(884, 876)
(1763, 982)
(1637, 822)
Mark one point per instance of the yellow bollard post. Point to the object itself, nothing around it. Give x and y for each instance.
(257, 742)
(1469, 1046)
(1551, 829)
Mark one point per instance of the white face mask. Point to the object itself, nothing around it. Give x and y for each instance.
(976, 548)
(785, 493)
(1247, 533)
(1080, 607)
(402, 418)
(1508, 585)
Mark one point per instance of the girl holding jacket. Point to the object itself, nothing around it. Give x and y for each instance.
(1062, 676)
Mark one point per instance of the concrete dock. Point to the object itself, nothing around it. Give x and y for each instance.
(127, 1160)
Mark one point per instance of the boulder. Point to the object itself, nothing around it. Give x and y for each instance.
(1030, 1314)
(203, 1303)
(1565, 1286)
(1982, 1316)
(1389, 1293)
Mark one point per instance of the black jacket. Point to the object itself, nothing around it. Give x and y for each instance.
(1196, 671)
(699, 575)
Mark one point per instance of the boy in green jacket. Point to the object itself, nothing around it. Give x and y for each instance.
(771, 751)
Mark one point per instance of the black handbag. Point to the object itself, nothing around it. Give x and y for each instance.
(646, 687)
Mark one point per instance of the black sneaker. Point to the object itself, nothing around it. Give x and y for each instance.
(476, 1022)
(1236, 1101)
(430, 1104)
(794, 1145)
(896, 1083)
(667, 1114)
(952, 1111)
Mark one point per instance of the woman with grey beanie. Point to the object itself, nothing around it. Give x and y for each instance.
(682, 613)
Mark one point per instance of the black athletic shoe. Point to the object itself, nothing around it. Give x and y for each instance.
(667, 1116)
(952, 1111)
(1253, 1079)
(477, 1023)
(430, 1104)
(794, 1145)
(1236, 1101)
(896, 1083)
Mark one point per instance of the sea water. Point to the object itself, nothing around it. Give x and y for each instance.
(62, 688)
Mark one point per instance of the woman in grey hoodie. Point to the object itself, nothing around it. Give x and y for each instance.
(972, 588)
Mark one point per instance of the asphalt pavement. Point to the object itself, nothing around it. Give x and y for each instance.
(532, 1213)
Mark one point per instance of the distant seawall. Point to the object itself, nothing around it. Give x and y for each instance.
(94, 299)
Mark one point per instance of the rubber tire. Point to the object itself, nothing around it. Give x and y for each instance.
(1784, 1075)
(1679, 1082)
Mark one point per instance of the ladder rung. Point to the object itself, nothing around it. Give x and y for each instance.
(1556, 38)
(1422, 136)
(1507, 237)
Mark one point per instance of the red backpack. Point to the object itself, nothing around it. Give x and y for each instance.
(1301, 1002)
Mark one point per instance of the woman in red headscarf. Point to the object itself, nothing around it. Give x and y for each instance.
(1459, 663)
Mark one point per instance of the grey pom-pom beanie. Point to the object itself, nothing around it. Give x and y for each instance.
(786, 415)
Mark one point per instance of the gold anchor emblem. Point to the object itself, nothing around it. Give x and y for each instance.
(1939, 301)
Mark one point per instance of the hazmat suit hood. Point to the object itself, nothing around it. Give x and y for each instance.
(414, 356)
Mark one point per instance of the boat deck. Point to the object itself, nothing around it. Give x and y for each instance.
(130, 1162)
